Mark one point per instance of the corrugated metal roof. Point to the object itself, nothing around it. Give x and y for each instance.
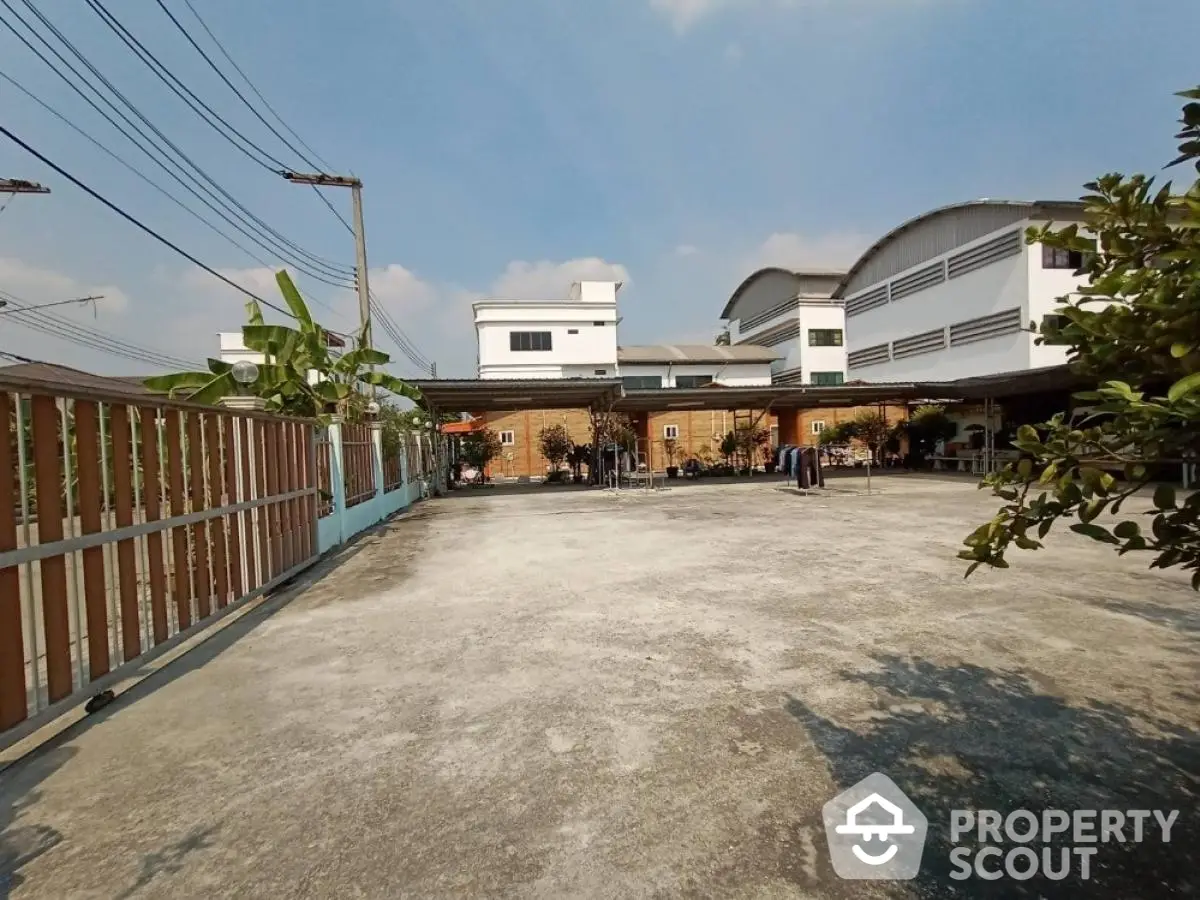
(696, 353)
(799, 276)
(49, 373)
(943, 243)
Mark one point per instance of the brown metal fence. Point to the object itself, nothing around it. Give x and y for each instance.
(393, 474)
(128, 521)
(324, 473)
(358, 455)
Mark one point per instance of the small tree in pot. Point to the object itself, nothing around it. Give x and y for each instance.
(671, 448)
(580, 454)
(556, 446)
(479, 448)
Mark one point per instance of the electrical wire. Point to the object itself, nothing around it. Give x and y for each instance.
(34, 317)
(247, 147)
(333, 209)
(212, 65)
(264, 235)
(134, 221)
(399, 338)
(141, 175)
(324, 166)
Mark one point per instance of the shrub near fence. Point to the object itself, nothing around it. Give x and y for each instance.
(128, 521)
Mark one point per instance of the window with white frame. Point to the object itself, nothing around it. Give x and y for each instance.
(818, 426)
(671, 432)
(507, 438)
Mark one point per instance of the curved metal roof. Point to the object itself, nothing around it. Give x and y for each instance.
(1034, 207)
(797, 274)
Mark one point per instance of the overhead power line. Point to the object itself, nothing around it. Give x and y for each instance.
(145, 178)
(34, 317)
(242, 218)
(212, 65)
(215, 120)
(137, 222)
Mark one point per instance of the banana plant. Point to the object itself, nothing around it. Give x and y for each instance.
(299, 375)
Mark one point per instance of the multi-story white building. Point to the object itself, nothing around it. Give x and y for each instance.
(793, 313)
(572, 338)
(577, 338)
(956, 293)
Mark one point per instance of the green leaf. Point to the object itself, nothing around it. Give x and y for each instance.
(1180, 350)
(1164, 496)
(1025, 468)
(1127, 530)
(1183, 387)
(1095, 532)
(293, 299)
(1044, 527)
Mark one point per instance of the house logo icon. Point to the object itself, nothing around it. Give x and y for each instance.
(874, 831)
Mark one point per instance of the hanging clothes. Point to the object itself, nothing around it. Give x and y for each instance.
(808, 468)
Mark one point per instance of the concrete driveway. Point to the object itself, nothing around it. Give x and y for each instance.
(576, 694)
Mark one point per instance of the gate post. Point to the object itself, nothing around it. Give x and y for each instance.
(337, 477)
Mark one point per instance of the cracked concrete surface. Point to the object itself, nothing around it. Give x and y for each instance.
(570, 694)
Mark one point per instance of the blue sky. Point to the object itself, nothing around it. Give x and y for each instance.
(510, 148)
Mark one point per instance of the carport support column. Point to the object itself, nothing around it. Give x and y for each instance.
(642, 427)
(789, 426)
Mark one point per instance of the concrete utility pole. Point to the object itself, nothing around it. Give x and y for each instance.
(360, 243)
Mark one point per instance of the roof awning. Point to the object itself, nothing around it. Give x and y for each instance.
(502, 395)
(761, 397)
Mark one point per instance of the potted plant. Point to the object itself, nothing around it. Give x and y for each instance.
(555, 444)
(580, 454)
(671, 447)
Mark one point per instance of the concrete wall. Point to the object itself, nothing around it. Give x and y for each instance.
(344, 523)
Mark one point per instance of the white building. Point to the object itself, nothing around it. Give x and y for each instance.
(577, 338)
(954, 293)
(793, 313)
(694, 365)
(572, 338)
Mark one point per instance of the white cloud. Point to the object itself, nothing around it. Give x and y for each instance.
(790, 250)
(683, 14)
(36, 286)
(686, 250)
(550, 280)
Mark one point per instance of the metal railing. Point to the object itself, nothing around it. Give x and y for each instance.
(126, 524)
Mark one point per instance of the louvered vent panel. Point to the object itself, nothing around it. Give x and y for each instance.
(918, 281)
(780, 337)
(985, 254)
(926, 342)
(868, 356)
(986, 327)
(870, 300)
(769, 314)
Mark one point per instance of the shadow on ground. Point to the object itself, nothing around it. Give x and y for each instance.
(966, 737)
(22, 842)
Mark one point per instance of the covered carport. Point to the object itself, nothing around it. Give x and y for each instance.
(603, 396)
(478, 395)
